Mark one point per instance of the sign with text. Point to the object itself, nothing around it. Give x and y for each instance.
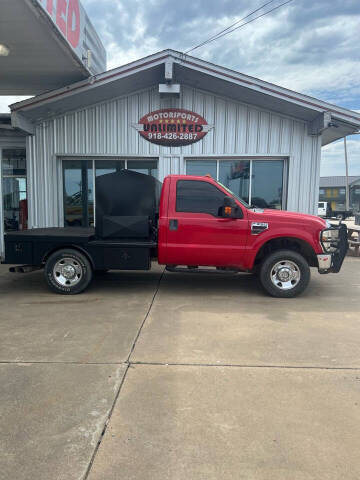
(72, 22)
(172, 127)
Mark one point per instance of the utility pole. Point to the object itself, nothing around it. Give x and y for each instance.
(347, 202)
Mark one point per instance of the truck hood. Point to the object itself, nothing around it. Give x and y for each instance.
(283, 216)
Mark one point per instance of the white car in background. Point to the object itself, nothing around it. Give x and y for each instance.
(325, 210)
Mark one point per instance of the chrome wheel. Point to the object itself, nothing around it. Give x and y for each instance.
(67, 272)
(285, 275)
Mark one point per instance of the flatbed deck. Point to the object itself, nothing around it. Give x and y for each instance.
(34, 246)
(58, 232)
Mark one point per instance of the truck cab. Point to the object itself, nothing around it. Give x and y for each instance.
(193, 224)
(202, 223)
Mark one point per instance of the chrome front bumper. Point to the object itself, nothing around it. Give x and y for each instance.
(324, 262)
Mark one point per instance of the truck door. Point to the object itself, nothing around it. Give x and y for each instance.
(197, 234)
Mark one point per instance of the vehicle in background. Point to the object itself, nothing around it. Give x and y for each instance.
(325, 211)
(190, 224)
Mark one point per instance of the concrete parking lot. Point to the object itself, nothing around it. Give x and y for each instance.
(167, 376)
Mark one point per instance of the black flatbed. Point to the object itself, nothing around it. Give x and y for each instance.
(125, 236)
(74, 233)
(34, 246)
(59, 232)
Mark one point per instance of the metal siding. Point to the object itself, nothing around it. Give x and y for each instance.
(286, 136)
(209, 114)
(241, 130)
(106, 129)
(264, 133)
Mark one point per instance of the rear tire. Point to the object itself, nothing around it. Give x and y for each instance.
(68, 272)
(284, 274)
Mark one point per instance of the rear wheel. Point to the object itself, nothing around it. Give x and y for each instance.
(284, 274)
(68, 272)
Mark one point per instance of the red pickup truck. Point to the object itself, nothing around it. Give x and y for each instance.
(189, 224)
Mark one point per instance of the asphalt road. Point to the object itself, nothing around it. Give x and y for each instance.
(173, 376)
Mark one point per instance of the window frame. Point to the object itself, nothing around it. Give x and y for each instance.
(93, 159)
(251, 158)
(6, 175)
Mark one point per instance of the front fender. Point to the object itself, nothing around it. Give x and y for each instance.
(256, 242)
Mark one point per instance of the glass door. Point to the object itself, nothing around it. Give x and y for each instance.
(14, 189)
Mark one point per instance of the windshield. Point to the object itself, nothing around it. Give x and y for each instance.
(234, 195)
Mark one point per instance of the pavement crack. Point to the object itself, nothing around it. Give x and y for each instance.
(37, 362)
(236, 365)
(107, 421)
(128, 366)
(146, 317)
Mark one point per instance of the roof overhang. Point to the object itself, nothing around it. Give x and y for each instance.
(46, 44)
(6, 129)
(325, 119)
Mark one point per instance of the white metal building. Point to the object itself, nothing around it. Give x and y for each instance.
(262, 141)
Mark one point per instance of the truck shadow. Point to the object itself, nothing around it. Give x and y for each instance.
(325, 293)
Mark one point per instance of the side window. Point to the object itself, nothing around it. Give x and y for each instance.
(198, 197)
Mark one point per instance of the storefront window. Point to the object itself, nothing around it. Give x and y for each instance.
(148, 167)
(103, 167)
(198, 167)
(78, 193)
(78, 177)
(236, 176)
(259, 182)
(14, 189)
(267, 184)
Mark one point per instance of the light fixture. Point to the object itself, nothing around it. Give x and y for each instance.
(4, 50)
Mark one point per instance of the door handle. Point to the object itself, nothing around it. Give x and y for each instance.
(173, 224)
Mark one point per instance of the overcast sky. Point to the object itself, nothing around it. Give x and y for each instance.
(310, 46)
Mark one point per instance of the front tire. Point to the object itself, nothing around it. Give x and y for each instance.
(284, 274)
(68, 272)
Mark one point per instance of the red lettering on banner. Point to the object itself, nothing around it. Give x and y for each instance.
(61, 15)
(73, 33)
(49, 6)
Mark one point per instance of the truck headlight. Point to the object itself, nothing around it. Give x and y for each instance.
(329, 240)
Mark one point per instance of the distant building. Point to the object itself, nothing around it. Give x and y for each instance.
(333, 190)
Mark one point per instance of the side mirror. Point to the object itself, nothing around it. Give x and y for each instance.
(230, 209)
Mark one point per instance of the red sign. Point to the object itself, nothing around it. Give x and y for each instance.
(172, 127)
(67, 16)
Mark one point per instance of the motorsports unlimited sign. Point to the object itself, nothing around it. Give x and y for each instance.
(172, 127)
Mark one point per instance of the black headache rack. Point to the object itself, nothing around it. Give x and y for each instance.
(125, 236)
(342, 248)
